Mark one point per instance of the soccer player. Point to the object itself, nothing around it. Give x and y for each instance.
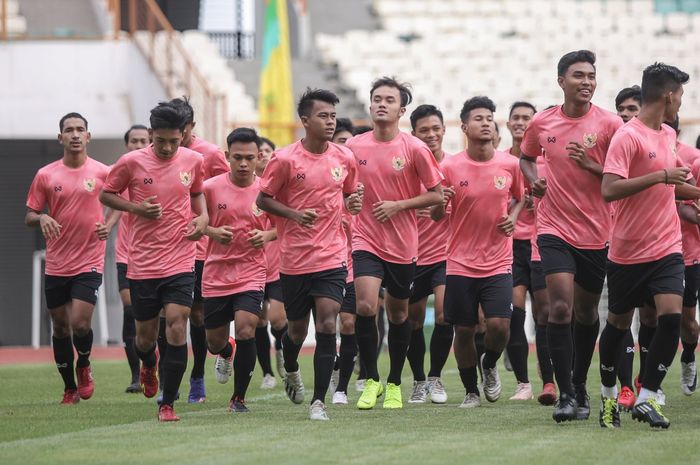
(233, 281)
(306, 185)
(521, 113)
(392, 165)
(343, 131)
(428, 125)
(75, 231)
(645, 263)
(164, 184)
(135, 138)
(213, 164)
(628, 102)
(572, 222)
(483, 184)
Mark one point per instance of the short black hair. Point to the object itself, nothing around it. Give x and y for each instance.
(186, 108)
(244, 135)
(71, 115)
(423, 111)
(521, 104)
(265, 140)
(578, 56)
(343, 124)
(361, 129)
(474, 103)
(167, 115)
(659, 78)
(390, 81)
(634, 92)
(306, 102)
(128, 131)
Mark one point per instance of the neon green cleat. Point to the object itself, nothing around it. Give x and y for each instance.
(393, 396)
(368, 399)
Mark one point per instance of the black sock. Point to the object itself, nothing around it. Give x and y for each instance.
(490, 359)
(479, 343)
(662, 351)
(63, 355)
(243, 366)
(324, 357)
(277, 334)
(366, 334)
(149, 357)
(440, 345)
(611, 339)
(517, 345)
(560, 350)
(262, 345)
(162, 343)
(469, 381)
(416, 354)
(83, 345)
(198, 337)
(346, 360)
(625, 361)
(399, 338)
(585, 337)
(646, 334)
(291, 353)
(128, 336)
(363, 371)
(543, 354)
(688, 354)
(174, 366)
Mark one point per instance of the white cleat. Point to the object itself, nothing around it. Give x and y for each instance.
(340, 398)
(436, 390)
(223, 368)
(689, 378)
(492, 383)
(523, 391)
(317, 411)
(294, 387)
(661, 397)
(471, 400)
(268, 382)
(420, 393)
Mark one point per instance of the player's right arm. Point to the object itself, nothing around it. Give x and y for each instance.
(274, 180)
(116, 183)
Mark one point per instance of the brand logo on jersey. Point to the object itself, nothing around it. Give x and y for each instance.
(185, 178)
(222, 206)
(256, 210)
(589, 140)
(499, 182)
(337, 173)
(551, 140)
(89, 184)
(58, 188)
(463, 183)
(398, 163)
(363, 162)
(148, 180)
(301, 176)
(652, 155)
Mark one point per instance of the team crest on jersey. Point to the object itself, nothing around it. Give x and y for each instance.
(398, 163)
(589, 140)
(337, 173)
(89, 184)
(185, 178)
(256, 210)
(499, 182)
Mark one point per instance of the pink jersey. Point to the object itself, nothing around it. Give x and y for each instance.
(646, 226)
(393, 170)
(71, 196)
(272, 256)
(158, 248)
(483, 190)
(348, 223)
(542, 173)
(213, 164)
(525, 225)
(303, 180)
(691, 231)
(572, 207)
(433, 235)
(121, 245)
(238, 266)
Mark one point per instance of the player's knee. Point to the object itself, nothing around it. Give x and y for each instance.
(366, 307)
(347, 325)
(61, 329)
(559, 312)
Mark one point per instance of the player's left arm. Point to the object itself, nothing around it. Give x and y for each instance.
(258, 238)
(385, 209)
(578, 153)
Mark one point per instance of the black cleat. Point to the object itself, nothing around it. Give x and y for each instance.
(583, 410)
(609, 413)
(649, 411)
(134, 387)
(237, 405)
(565, 408)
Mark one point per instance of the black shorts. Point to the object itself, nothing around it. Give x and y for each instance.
(299, 290)
(149, 296)
(522, 253)
(198, 270)
(349, 302)
(122, 280)
(463, 296)
(587, 266)
(273, 291)
(220, 311)
(59, 290)
(537, 281)
(632, 286)
(692, 282)
(396, 277)
(426, 279)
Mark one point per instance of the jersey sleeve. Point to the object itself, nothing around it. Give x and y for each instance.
(620, 155)
(350, 184)
(274, 177)
(36, 199)
(530, 146)
(215, 164)
(427, 167)
(197, 185)
(118, 177)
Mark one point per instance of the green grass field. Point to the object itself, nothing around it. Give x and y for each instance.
(118, 428)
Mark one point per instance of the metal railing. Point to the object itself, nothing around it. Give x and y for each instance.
(234, 45)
